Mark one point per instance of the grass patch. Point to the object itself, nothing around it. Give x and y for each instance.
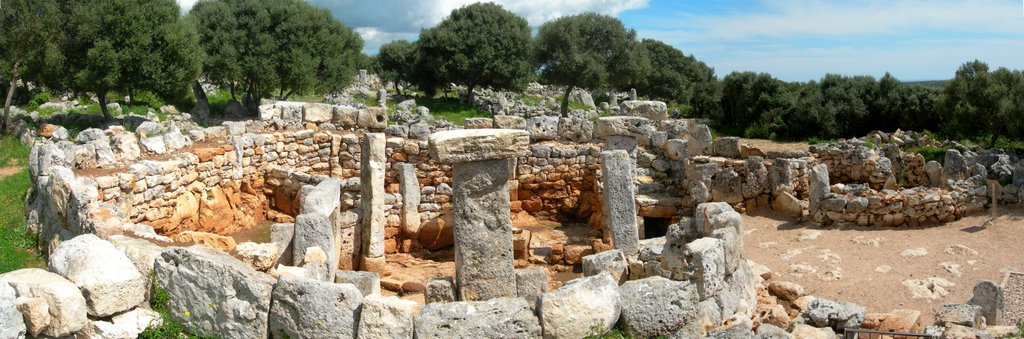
(17, 245)
(450, 109)
(937, 154)
(615, 333)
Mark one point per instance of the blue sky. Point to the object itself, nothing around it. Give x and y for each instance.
(794, 40)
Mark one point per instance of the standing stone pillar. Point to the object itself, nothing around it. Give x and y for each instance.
(409, 186)
(632, 94)
(371, 201)
(613, 99)
(382, 98)
(619, 200)
(481, 168)
(362, 77)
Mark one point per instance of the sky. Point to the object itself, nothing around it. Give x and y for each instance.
(794, 40)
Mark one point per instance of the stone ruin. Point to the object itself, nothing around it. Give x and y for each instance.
(286, 226)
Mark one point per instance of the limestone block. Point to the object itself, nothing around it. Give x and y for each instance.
(441, 290)
(613, 262)
(509, 122)
(476, 145)
(197, 277)
(368, 283)
(386, 317)
(619, 199)
(108, 279)
(495, 318)
(707, 258)
(67, 308)
(580, 307)
(483, 230)
(653, 110)
(627, 126)
(657, 306)
(372, 118)
(542, 128)
(309, 308)
(317, 113)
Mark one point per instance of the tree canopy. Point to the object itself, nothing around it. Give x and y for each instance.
(480, 45)
(288, 47)
(589, 51)
(126, 45)
(395, 61)
(677, 77)
(29, 33)
(979, 100)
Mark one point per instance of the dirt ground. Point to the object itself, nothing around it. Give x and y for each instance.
(884, 269)
(768, 145)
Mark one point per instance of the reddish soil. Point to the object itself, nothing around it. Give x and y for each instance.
(868, 265)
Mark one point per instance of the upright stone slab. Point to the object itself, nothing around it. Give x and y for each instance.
(989, 297)
(313, 230)
(619, 200)
(483, 226)
(409, 186)
(372, 200)
(819, 187)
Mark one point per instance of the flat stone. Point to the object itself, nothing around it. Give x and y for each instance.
(197, 277)
(581, 307)
(386, 317)
(368, 283)
(495, 318)
(613, 262)
(480, 144)
(309, 308)
(653, 110)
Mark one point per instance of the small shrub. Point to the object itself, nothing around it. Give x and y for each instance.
(38, 99)
(756, 132)
(170, 328)
(937, 154)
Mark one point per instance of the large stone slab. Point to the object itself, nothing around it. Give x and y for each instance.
(12, 324)
(818, 187)
(197, 277)
(386, 318)
(371, 200)
(314, 230)
(67, 308)
(653, 110)
(496, 318)
(990, 298)
(409, 186)
(478, 144)
(657, 306)
(619, 199)
(108, 279)
(581, 307)
(613, 262)
(309, 308)
(626, 126)
(484, 265)
(707, 259)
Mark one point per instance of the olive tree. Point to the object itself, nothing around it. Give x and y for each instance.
(29, 32)
(480, 45)
(396, 60)
(589, 51)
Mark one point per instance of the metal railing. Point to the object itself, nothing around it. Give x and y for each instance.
(857, 333)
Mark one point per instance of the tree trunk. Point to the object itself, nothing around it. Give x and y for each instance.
(201, 112)
(10, 97)
(565, 101)
(102, 96)
(231, 86)
(397, 89)
(468, 99)
(991, 142)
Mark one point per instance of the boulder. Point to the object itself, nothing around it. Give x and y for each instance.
(67, 308)
(625, 126)
(990, 298)
(960, 314)
(788, 205)
(653, 110)
(108, 279)
(197, 277)
(154, 145)
(262, 257)
(509, 122)
(368, 283)
(310, 308)
(834, 314)
(613, 262)
(581, 307)
(479, 144)
(727, 147)
(657, 306)
(125, 325)
(317, 113)
(440, 290)
(386, 317)
(495, 318)
(786, 291)
(12, 324)
(707, 259)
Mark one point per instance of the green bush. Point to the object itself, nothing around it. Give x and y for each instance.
(937, 154)
(38, 99)
(757, 131)
(450, 109)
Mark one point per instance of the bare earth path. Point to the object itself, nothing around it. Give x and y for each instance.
(874, 266)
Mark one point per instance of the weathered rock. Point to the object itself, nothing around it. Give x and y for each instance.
(728, 147)
(197, 277)
(802, 331)
(934, 171)
(262, 257)
(619, 199)
(368, 283)
(154, 145)
(476, 145)
(495, 318)
(653, 110)
(35, 312)
(12, 324)
(960, 314)
(313, 230)
(483, 230)
(700, 141)
(613, 262)
(989, 297)
(107, 278)
(707, 259)
(441, 290)
(786, 291)
(67, 307)
(542, 128)
(818, 187)
(409, 186)
(834, 314)
(386, 317)
(727, 187)
(317, 113)
(142, 253)
(714, 215)
(371, 174)
(509, 122)
(635, 127)
(309, 308)
(282, 235)
(787, 204)
(769, 331)
(580, 307)
(125, 325)
(675, 149)
(531, 283)
(657, 306)
(375, 118)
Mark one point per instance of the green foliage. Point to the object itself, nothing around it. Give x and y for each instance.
(757, 131)
(589, 51)
(119, 45)
(29, 33)
(17, 244)
(38, 99)
(679, 78)
(930, 153)
(480, 45)
(616, 332)
(396, 60)
(170, 328)
(977, 101)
